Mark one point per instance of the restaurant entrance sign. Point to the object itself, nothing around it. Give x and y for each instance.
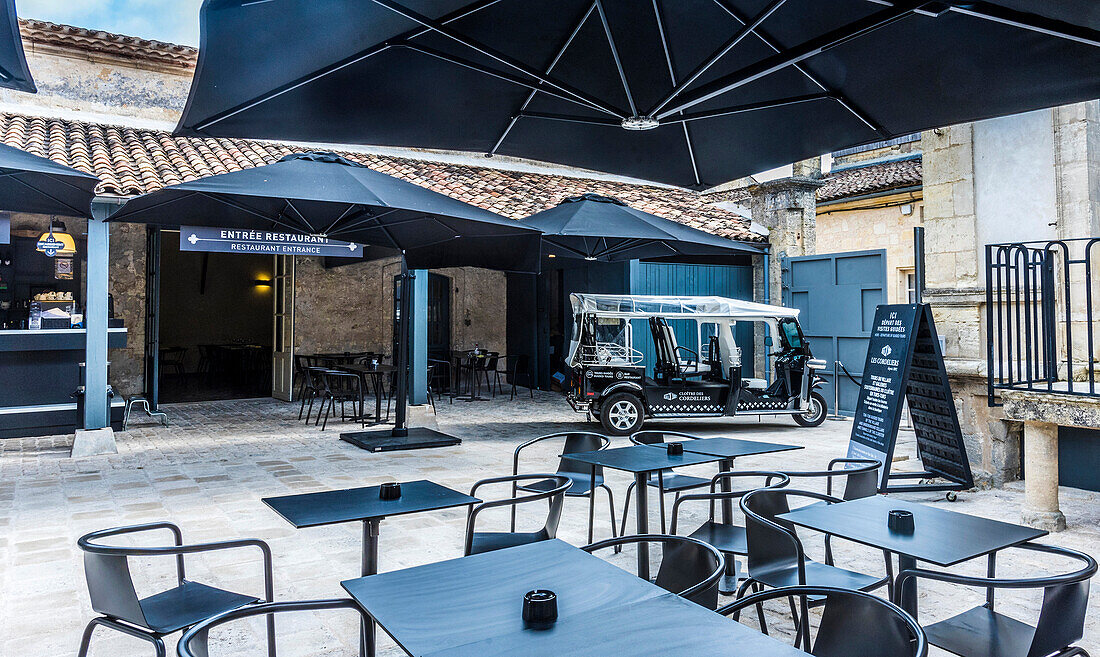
(904, 362)
(264, 242)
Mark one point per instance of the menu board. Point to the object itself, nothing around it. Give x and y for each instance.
(904, 363)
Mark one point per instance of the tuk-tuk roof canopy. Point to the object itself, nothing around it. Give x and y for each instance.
(642, 306)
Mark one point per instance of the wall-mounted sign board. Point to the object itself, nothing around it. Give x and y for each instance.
(904, 362)
(264, 242)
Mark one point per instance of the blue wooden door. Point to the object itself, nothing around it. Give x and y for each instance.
(837, 294)
(731, 281)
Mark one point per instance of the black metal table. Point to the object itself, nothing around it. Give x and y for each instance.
(472, 606)
(731, 448)
(375, 373)
(364, 505)
(640, 460)
(940, 536)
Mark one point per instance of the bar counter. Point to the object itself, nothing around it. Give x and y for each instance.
(39, 372)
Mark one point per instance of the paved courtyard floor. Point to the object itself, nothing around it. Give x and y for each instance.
(209, 469)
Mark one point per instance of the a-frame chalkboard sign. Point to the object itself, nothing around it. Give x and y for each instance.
(904, 361)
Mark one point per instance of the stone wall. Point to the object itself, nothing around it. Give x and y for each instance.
(350, 308)
(126, 283)
(82, 82)
(860, 229)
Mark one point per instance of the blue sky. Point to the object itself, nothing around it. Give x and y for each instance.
(176, 21)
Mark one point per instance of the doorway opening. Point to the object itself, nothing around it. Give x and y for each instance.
(215, 324)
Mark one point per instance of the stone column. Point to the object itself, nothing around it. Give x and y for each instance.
(788, 209)
(1041, 477)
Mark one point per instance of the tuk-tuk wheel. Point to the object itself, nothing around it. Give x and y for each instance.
(622, 414)
(815, 415)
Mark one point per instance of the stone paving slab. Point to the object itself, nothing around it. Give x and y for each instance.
(208, 471)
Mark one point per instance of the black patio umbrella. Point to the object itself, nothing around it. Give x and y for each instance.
(692, 92)
(597, 227)
(14, 73)
(325, 194)
(29, 183)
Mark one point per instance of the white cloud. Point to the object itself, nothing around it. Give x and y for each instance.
(176, 21)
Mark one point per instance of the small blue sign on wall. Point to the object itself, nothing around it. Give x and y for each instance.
(5, 229)
(264, 242)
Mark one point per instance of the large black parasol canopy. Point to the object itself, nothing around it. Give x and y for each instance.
(597, 227)
(14, 73)
(29, 183)
(687, 92)
(325, 194)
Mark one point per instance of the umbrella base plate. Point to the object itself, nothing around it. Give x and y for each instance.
(383, 440)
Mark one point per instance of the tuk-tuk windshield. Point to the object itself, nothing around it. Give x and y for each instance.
(791, 335)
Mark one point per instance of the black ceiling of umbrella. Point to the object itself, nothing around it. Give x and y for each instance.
(693, 92)
(29, 183)
(14, 73)
(595, 227)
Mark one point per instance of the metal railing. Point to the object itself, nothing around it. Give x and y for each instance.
(1039, 317)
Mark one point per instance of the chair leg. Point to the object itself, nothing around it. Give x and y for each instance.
(85, 640)
(797, 623)
(611, 509)
(626, 508)
(756, 588)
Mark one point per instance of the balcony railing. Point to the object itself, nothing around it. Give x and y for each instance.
(1040, 326)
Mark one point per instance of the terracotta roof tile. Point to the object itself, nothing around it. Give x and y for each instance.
(870, 179)
(119, 45)
(132, 161)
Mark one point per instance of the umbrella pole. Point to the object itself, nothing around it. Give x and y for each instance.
(400, 428)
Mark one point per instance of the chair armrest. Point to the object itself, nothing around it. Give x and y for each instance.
(85, 541)
(1084, 573)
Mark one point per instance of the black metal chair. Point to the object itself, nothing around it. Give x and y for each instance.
(726, 536)
(340, 387)
(112, 592)
(689, 567)
(665, 481)
(852, 623)
(478, 542)
(776, 557)
(513, 365)
(195, 641)
(313, 389)
(861, 479)
(580, 475)
(441, 370)
(983, 632)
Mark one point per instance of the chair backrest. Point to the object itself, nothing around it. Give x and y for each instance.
(770, 543)
(111, 588)
(852, 623)
(107, 571)
(195, 641)
(555, 495)
(738, 489)
(689, 567)
(861, 477)
(1061, 618)
(580, 441)
(659, 437)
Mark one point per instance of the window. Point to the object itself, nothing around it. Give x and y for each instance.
(907, 286)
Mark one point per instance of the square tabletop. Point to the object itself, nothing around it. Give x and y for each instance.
(640, 458)
(335, 506)
(657, 627)
(941, 537)
(734, 447)
(451, 603)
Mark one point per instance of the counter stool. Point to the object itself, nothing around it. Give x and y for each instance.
(142, 403)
